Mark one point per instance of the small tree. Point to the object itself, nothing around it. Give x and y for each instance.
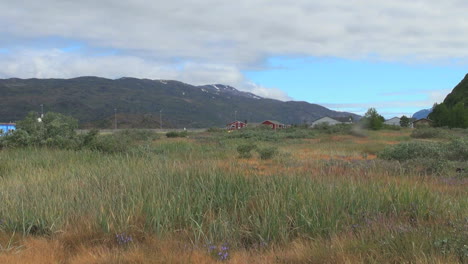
(54, 129)
(404, 121)
(372, 119)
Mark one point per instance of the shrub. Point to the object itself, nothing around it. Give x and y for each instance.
(215, 130)
(245, 149)
(267, 152)
(112, 143)
(333, 129)
(428, 132)
(54, 130)
(413, 150)
(458, 149)
(175, 134)
(427, 166)
(391, 127)
(138, 134)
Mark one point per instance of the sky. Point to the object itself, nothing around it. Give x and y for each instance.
(397, 56)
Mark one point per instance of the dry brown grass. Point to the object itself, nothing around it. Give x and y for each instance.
(338, 249)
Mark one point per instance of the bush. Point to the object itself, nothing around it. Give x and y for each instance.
(215, 130)
(267, 152)
(458, 149)
(54, 130)
(427, 166)
(414, 150)
(245, 149)
(175, 134)
(138, 134)
(428, 132)
(333, 129)
(113, 143)
(391, 127)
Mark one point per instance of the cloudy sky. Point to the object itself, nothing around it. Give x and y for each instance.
(398, 56)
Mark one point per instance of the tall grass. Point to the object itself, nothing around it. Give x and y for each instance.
(180, 187)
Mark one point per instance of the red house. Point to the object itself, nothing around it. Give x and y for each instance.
(273, 124)
(235, 125)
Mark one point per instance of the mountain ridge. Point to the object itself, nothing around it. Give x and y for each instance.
(143, 102)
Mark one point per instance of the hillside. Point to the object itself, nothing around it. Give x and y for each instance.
(453, 112)
(92, 101)
(458, 94)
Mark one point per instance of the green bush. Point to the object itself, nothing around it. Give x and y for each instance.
(245, 150)
(175, 134)
(138, 134)
(267, 152)
(413, 150)
(391, 127)
(458, 149)
(215, 130)
(333, 129)
(54, 130)
(428, 132)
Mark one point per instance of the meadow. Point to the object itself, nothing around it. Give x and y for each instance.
(253, 196)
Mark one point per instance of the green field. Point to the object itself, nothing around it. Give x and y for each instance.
(321, 197)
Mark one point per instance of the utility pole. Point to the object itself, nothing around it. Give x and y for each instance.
(160, 119)
(115, 118)
(235, 115)
(42, 111)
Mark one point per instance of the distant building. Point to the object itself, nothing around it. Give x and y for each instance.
(395, 121)
(6, 128)
(332, 121)
(273, 124)
(235, 125)
(423, 122)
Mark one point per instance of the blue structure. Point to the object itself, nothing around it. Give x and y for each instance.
(6, 127)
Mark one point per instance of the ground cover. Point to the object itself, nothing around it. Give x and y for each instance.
(320, 198)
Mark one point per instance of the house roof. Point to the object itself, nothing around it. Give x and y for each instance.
(339, 119)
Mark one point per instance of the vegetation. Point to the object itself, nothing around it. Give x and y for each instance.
(308, 196)
(245, 150)
(429, 132)
(372, 119)
(175, 134)
(453, 112)
(404, 121)
(267, 152)
(55, 130)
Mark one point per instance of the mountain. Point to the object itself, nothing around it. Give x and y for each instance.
(95, 102)
(458, 94)
(422, 113)
(453, 112)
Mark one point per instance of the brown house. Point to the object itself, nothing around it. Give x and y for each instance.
(423, 122)
(235, 125)
(273, 124)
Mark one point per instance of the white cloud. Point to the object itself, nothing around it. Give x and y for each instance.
(213, 41)
(59, 64)
(244, 31)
